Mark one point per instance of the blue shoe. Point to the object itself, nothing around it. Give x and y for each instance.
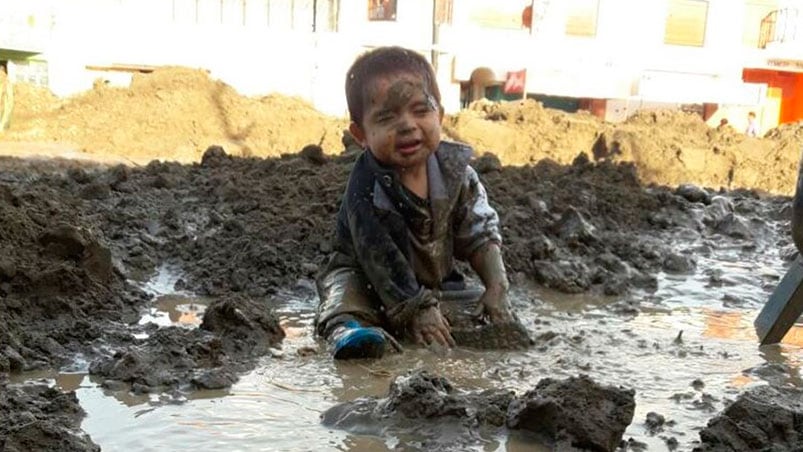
(353, 341)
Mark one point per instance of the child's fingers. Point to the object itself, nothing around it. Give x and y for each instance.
(450, 339)
(479, 310)
(393, 342)
(418, 338)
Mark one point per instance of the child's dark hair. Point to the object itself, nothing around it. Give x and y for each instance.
(384, 61)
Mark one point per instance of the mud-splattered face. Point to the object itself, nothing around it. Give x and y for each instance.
(402, 121)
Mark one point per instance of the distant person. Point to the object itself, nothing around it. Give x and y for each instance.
(752, 125)
(723, 124)
(411, 207)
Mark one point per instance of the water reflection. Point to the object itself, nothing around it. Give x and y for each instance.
(176, 310)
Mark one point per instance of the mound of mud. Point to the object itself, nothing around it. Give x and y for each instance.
(173, 113)
(765, 418)
(57, 280)
(523, 132)
(571, 414)
(37, 417)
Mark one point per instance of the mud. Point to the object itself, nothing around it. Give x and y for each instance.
(765, 418)
(584, 206)
(234, 332)
(34, 416)
(472, 332)
(573, 414)
(78, 239)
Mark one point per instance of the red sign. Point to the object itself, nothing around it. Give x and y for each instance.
(514, 82)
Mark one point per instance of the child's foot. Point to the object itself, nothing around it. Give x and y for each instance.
(353, 341)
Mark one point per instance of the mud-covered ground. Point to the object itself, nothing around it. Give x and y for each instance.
(599, 212)
(76, 238)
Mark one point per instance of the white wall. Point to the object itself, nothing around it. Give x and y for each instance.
(264, 46)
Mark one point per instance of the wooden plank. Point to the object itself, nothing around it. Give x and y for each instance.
(122, 68)
(783, 307)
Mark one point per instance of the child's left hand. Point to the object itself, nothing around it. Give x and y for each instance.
(494, 305)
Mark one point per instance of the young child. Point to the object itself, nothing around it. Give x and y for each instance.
(752, 125)
(412, 205)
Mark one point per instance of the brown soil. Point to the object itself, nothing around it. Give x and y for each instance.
(176, 113)
(668, 148)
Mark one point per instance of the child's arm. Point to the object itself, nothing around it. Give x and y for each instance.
(477, 240)
(487, 262)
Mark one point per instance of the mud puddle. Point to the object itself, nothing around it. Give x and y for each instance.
(172, 307)
(685, 351)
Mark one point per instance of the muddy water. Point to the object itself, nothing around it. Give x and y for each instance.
(687, 349)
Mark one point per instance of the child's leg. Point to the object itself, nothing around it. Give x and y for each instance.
(344, 296)
(349, 317)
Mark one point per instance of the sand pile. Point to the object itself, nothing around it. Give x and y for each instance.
(667, 147)
(172, 114)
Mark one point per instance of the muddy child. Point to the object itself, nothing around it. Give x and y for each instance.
(411, 207)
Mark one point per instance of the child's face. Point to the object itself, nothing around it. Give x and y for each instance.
(402, 121)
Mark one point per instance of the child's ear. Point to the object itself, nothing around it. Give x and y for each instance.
(357, 132)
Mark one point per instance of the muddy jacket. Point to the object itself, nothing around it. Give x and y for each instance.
(405, 245)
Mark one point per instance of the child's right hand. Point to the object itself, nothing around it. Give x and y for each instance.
(430, 326)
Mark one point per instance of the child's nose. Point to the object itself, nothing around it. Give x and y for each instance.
(406, 123)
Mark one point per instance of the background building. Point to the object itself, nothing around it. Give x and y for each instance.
(722, 58)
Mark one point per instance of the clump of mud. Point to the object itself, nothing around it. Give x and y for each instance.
(57, 280)
(234, 332)
(575, 413)
(34, 416)
(765, 418)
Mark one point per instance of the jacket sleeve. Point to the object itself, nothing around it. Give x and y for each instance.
(476, 222)
(385, 266)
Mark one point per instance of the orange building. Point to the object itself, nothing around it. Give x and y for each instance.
(781, 68)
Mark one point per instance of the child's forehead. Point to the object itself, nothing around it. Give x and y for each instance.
(383, 85)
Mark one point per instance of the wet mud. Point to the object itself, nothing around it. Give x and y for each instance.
(35, 416)
(78, 240)
(572, 414)
(765, 418)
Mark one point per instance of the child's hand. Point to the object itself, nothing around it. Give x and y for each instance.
(430, 326)
(494, 305)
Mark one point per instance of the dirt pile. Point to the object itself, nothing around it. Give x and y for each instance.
(57, 281)
(667, 147)
(523, 132)
(563, 414)
(35, 416)
(175, 113)
(172, 114)
(764, 418)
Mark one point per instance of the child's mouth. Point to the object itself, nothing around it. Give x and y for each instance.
(408, 147)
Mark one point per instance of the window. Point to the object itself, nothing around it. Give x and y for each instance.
(581, 17)
(685, 22)
(381, 9)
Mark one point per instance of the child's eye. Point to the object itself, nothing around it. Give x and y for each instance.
(384, 118)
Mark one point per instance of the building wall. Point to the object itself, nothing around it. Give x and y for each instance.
(577, 48)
